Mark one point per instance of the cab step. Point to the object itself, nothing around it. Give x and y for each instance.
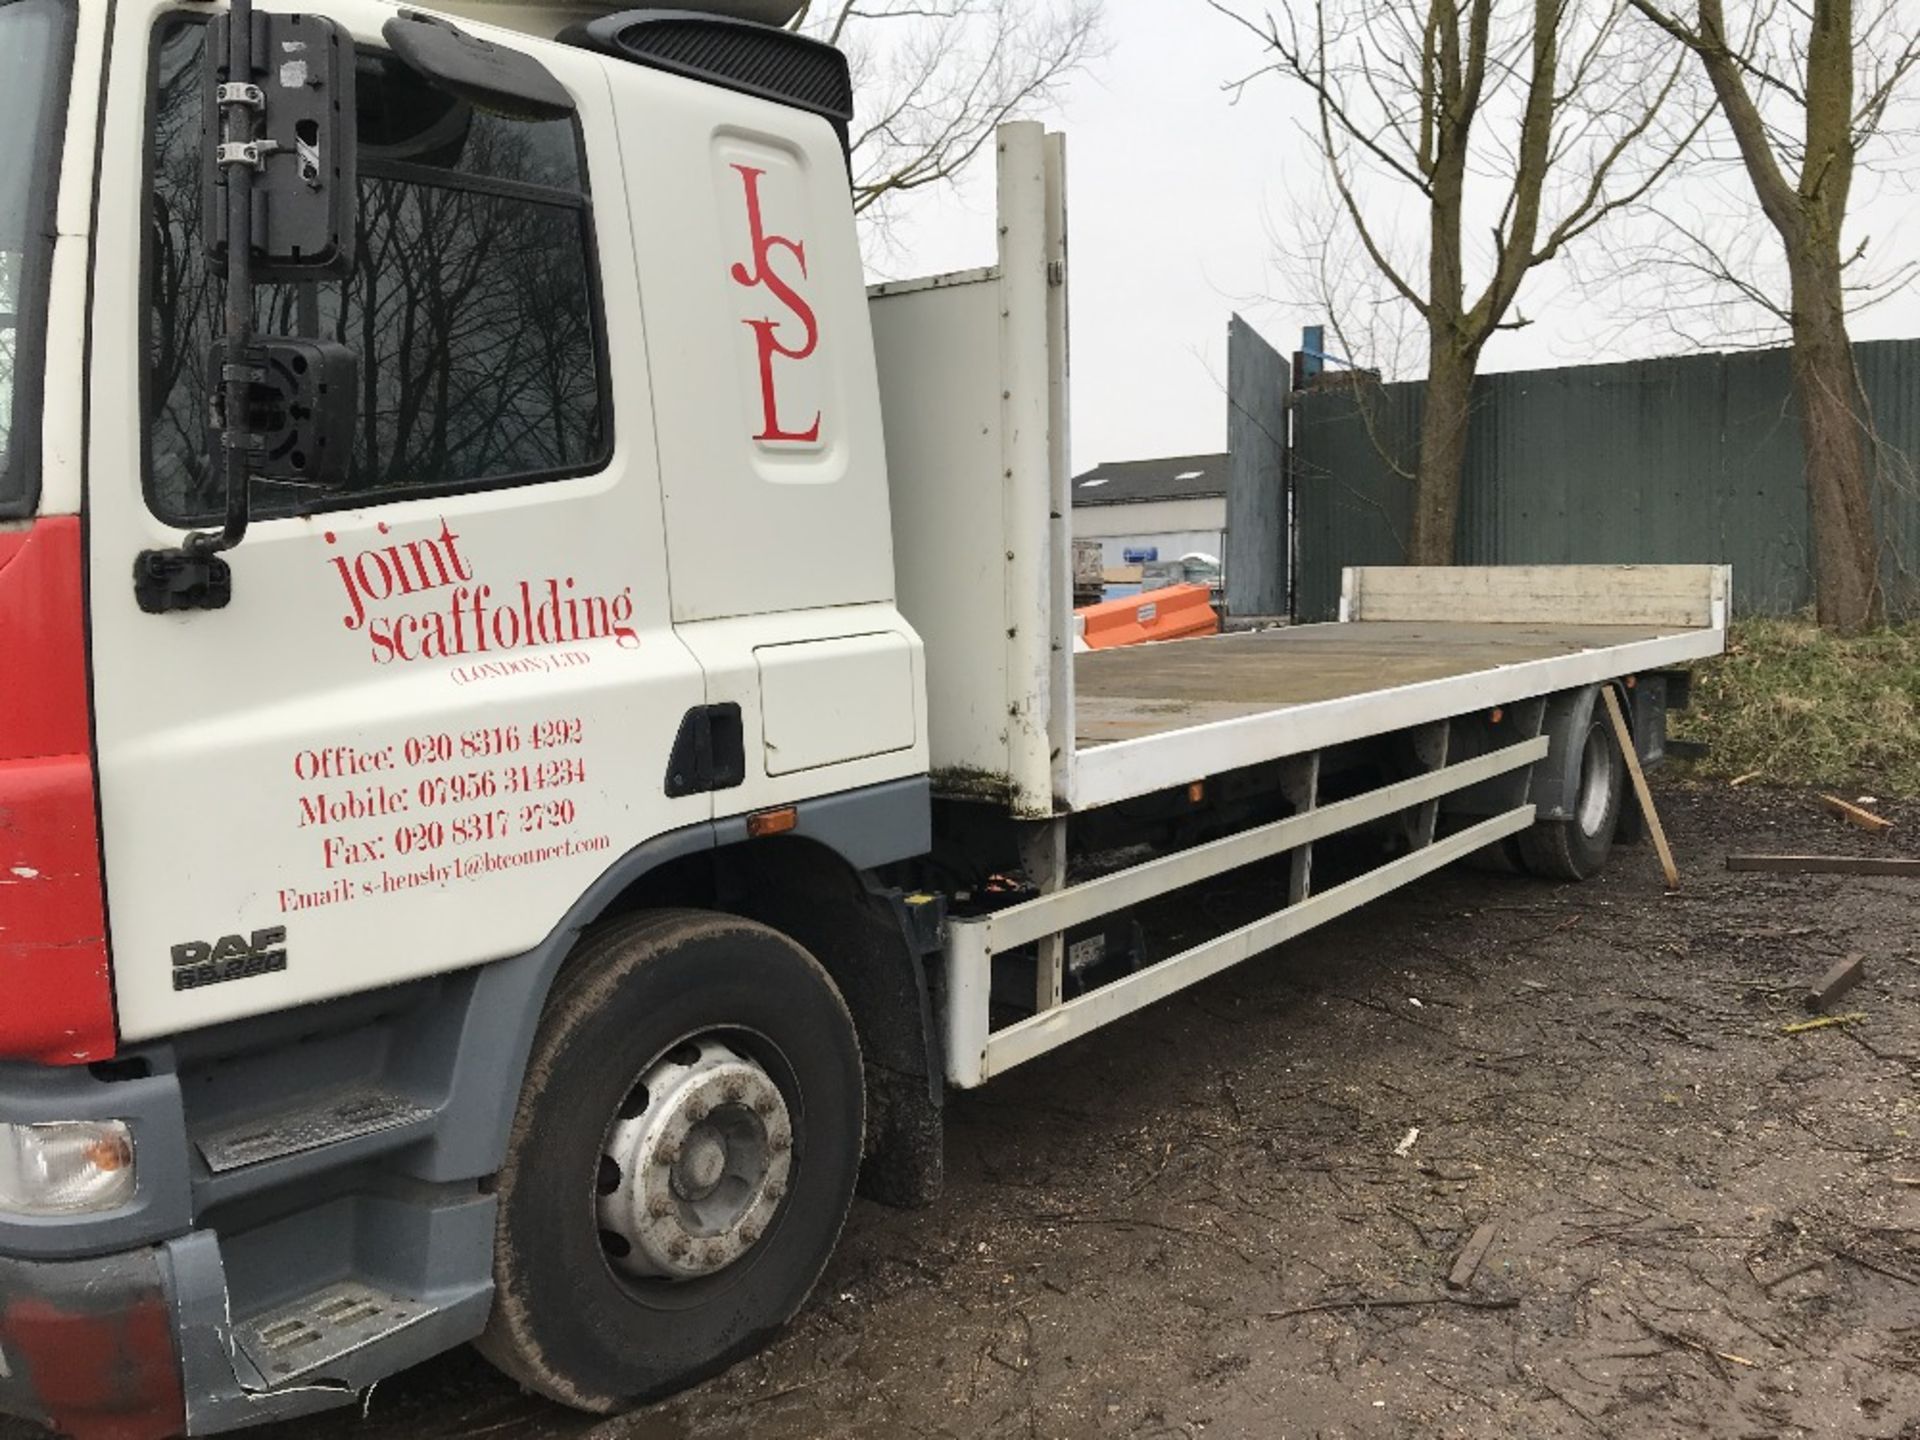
(341, 1114)
(301, 1338)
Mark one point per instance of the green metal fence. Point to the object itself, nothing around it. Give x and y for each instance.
(1694, 458)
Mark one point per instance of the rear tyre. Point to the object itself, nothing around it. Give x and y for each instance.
(681, 1161)
(1577, 847)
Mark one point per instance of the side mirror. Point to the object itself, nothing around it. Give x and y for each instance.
(281, 195)
(286, 124)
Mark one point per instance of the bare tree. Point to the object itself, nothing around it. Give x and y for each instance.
(1512, 128)
(936, 77)
(1802, 86)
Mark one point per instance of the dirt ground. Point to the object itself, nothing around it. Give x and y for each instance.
(1201, 1221)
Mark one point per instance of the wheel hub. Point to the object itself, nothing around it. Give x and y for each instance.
(695, 1166)
(1596, 782)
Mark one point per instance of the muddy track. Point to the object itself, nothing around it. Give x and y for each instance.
(1200, 1221)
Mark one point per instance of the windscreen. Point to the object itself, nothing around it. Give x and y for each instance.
(33, 81)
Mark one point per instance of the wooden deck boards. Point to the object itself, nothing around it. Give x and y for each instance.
(1153, 689)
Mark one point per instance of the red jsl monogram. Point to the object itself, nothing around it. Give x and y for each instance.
(766, 332)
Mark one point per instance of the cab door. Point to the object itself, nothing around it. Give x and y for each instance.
(441, 703)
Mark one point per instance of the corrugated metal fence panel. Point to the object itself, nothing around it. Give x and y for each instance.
(1689, 459)
(1890, 371)
(1348, 501)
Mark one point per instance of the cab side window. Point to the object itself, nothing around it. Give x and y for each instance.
(472, 304)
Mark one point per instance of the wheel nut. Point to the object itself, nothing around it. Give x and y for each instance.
(678, 1249)
(697, 1109)
(660, 1208)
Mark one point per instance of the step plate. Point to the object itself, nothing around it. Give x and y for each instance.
(344, 1114)
(305, 1336)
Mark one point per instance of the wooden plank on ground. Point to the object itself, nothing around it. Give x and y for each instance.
(1461, 1276)
(1837, 982)
(1828, 864)
(1625, 736)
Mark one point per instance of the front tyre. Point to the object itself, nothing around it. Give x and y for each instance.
(681, 1161)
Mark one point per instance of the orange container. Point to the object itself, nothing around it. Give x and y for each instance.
(1179, 612)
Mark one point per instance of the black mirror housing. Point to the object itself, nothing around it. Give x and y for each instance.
(300, 408)
(300, 152)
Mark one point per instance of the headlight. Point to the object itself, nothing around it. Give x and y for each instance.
(65, 1168)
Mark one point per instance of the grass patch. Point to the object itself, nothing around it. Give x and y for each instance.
(1801, 706)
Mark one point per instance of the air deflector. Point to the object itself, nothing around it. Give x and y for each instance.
(775, 65)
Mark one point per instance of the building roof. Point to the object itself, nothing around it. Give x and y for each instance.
(1179, 477)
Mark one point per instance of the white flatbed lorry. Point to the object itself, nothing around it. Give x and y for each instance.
(608, 755)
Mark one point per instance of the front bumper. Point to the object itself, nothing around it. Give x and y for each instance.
(143, 1345)
(87, 1347)
(132, 1323)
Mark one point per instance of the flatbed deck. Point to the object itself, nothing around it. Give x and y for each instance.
(1142, 690)
(1150, 717)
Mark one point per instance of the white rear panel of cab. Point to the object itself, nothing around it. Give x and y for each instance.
(973, 387)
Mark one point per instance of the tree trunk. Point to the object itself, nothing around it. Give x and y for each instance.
(1443, 454)
(1834, 437)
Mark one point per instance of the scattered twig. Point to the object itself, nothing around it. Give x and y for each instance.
(1153, 1174)
(1800, 1027)
(1123, 1222)
(1739, 780)
(1466, 1302)
(1854, 815)
(1571, 1406)
(1876, 1268)
(1678, 1337)
(1793, 1273)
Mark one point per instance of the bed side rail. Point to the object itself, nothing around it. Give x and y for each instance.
(1690, 597)
(976, 1051)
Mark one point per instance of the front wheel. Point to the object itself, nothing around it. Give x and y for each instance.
(681, 1163)
(1577, 847)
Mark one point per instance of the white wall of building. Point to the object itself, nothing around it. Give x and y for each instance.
(1150, 517)
(1174, 527)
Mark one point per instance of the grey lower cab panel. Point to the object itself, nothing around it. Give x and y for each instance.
(345, 1114)
(304, 1336)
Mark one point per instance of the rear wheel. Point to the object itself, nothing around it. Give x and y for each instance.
(681, 1162)
(1577, 847)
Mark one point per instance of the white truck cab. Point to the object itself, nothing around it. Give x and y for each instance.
(522, 685)
(599, 485)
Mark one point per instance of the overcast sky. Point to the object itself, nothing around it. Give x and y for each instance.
(1180, 197)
